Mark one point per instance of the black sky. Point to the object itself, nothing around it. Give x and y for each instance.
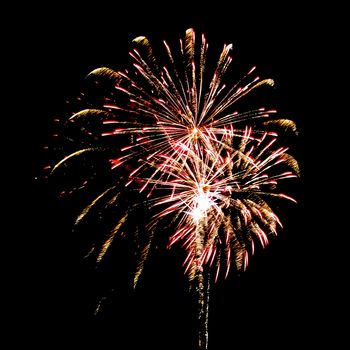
(275, 302)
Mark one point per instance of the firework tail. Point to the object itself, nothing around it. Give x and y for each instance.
(202, 288)
(203, 291)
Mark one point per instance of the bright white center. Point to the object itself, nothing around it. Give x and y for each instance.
(202, 203)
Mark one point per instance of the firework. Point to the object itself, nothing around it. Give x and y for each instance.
(172, 133)
(220, 199)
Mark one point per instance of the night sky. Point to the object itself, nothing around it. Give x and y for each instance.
(274, 303)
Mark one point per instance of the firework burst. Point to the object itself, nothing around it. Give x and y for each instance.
(173, 133)
(219, 199)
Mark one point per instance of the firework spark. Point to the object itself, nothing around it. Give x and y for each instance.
(173, 133)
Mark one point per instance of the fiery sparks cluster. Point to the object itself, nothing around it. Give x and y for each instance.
(205, 170)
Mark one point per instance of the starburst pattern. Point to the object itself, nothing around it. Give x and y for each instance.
(172, 133)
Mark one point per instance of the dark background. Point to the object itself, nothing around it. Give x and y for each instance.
(284, 299)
